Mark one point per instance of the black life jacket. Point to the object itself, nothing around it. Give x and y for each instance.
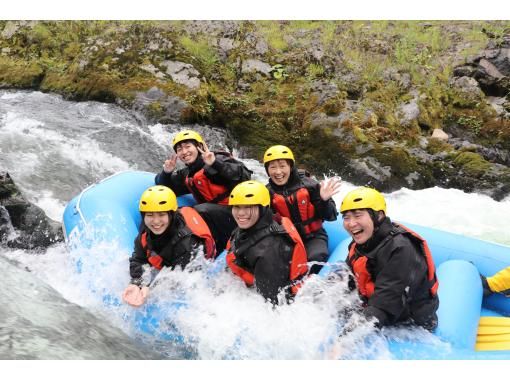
(358, 263)
(298, 264)
(194, 224)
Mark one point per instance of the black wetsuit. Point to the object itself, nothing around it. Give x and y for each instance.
(177, 246)
(267, 256)
(399, 271)
(225, 171)
(316, 242)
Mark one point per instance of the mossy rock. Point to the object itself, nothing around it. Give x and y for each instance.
(20, 74)
(399, 159)
(472, 163)
(436, 146)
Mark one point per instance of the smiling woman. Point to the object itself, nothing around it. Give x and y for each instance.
(168, 238)
(263, 252)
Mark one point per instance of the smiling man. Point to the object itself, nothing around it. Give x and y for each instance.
(392, 265)
(209, 176)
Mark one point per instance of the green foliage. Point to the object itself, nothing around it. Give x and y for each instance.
(359, 135)
(361, 58)
(472, 163)
(314, 71)
(20, 74)
(472, 122)
(278, 72)
(272, 32)
(202, 54)
(438, 146)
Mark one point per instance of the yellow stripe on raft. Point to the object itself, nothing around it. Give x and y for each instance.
(494, 321)
(493, 338)
(492, 346)
(493, 334)
(493, 330)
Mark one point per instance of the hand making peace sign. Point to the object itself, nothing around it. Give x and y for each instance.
(170, 164)
(208, 156)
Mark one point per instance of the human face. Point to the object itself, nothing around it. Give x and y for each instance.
(157, 222)
(359, 225)
(246, 216)
(279, 171)
(187, 152)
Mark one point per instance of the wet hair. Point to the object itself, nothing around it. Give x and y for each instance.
(374, 215)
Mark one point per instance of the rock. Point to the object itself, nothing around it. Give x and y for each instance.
(324, 90)
(182, 73)
(466, 85)
(403, 79)
(468, 90)
(257, 66)
(11, 27)
(172, 106)
(490, 69)
(225, 45)
(408, 112)
(261, 48)
(463, 71)
(501, 61)
(153, 70)
(440, 135)
(22, 224)
(498, 104)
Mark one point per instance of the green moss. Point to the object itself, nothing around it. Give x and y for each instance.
(400, 161)
(359, 135)
(101, 60)
(334, 105)
(472, 163)
(438, 146)
(202, 54)
(21, 74)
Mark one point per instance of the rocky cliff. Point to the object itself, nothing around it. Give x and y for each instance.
(386, 103)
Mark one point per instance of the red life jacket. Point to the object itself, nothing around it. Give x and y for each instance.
(205, 191)
(303, 208)
(196, 225)
(298, 263)
(366, 285)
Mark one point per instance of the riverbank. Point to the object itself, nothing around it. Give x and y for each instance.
(377, 92)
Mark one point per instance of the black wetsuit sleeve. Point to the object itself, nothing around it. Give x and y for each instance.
(176, 180)
(227, 171)
(137, 260)
(325, 210)
(390, 295)
(272, 269)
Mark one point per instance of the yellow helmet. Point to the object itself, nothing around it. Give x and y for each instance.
(187, 135)
(363, 197)
(249, 193)
(158, 199)
(278, 152)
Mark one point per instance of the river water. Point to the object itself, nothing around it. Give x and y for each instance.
(54, 148)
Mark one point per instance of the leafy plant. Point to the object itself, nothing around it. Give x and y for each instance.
(472, 122)
(278, 72)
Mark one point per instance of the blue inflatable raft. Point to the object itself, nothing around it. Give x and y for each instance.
(475, 328)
